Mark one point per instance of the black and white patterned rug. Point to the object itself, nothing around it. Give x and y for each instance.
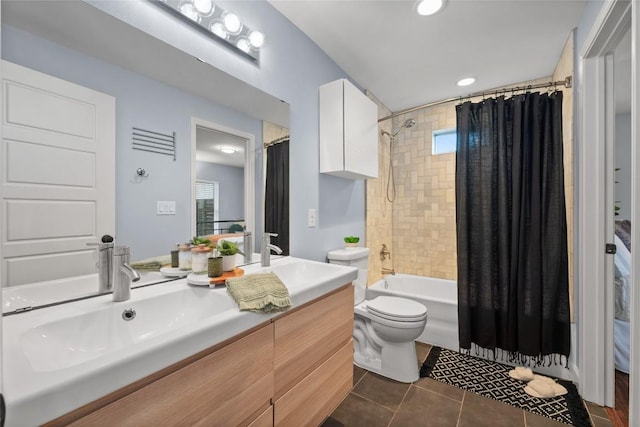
(491, 379)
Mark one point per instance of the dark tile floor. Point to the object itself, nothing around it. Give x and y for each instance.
(376, 401)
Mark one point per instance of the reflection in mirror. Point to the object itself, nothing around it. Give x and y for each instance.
(276, 200)
(220, 182)
(130, 66)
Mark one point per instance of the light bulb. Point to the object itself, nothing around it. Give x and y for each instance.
(189, 10)
(243, 44)
(256, 39)
(466, 81)
(232, 23)
(204, 7)
(228, 150)
(429, 7)
(218, 29)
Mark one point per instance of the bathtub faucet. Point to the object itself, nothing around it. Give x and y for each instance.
(388, 271)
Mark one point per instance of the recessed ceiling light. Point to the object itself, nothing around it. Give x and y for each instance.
(429, 7)
(466, 81)
(227, 150)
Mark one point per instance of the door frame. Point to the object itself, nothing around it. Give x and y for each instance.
(595, 173)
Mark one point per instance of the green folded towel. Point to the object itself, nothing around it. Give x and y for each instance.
(263, 293)
(152, 264)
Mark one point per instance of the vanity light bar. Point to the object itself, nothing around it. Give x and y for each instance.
(223, 26)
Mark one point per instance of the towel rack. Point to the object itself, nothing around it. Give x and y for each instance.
(154, 142)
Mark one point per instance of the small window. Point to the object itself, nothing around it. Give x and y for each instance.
(444, 141)
(206, 208)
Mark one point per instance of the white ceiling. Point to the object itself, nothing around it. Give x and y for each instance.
(407, 60)
(209, 141)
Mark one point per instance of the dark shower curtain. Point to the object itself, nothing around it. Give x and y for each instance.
(276, 217)
(513, 283)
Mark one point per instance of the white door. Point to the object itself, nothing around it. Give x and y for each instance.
(58, 175)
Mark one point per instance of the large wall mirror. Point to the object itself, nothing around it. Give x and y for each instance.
(162, 89)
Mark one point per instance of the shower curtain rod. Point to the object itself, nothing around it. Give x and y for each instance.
(276, 141)
(567, 82)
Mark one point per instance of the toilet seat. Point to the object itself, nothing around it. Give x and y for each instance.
(397, 309)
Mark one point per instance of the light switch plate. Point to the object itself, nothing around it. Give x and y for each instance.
(166, 207)
(311, 222)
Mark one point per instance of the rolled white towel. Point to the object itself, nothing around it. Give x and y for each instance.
(521, 373)
(544, 389)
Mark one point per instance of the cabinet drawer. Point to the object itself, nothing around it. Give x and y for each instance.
(228, 387)
(305, 338)
(265, 419)
(317, 396)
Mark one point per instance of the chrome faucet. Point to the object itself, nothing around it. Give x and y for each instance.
(267, 247)
(247, 247)
(104, 264)
(123, 274)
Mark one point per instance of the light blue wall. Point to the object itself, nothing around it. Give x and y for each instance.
(291, 68)
(145, 103)
(230, 188)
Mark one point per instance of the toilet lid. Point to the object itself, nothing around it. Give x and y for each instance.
(394, 308)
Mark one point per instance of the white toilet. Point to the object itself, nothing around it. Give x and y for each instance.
(385, 327)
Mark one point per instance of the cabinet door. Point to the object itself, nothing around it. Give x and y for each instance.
(306, 338)
(228, 388)
(319, 394)
(360, 134)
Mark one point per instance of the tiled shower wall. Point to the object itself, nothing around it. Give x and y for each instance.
(424, 212)
(378, 209)
(422, 239)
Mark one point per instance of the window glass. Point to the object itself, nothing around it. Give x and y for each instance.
(444, 141)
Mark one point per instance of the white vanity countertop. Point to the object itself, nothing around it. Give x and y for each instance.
(53, 291)
(59, 358)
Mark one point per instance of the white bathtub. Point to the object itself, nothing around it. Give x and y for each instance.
(440, 296)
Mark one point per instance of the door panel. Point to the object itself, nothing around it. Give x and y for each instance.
(58, 188)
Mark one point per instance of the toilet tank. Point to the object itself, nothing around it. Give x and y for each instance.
(354, 257)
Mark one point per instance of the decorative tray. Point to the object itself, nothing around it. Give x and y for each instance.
(204, 280)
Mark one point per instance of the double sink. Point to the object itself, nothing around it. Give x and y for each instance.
(61, 357)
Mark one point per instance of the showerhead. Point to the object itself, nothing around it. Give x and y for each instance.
(407, 124)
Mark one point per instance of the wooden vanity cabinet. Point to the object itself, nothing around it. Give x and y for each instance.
(313, 360)
(229, 387)
(294, 370)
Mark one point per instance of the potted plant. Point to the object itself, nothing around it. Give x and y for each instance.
(228, 251)
(351, 241)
